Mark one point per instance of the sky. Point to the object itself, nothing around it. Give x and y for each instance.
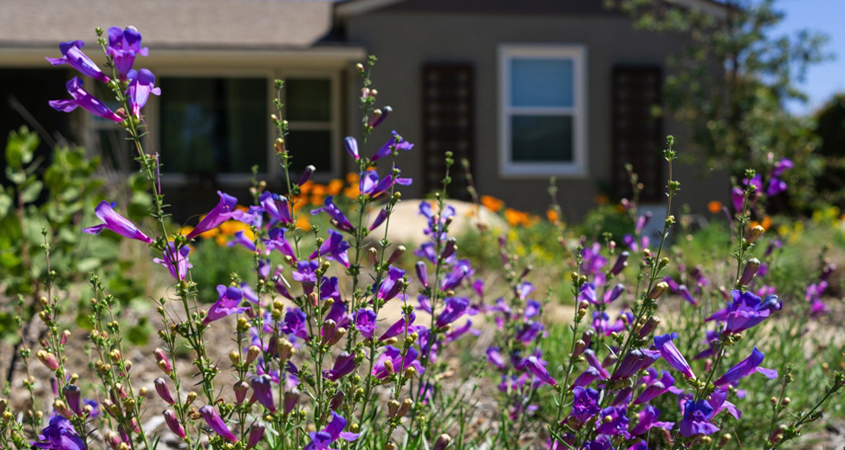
(828, 16)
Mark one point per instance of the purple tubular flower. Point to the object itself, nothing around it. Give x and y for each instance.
(321, 440)
(686, 295)
(115, 222)
(365, 322)
(306, 175)
(175, 261)
(73, 396)
(536, 367)
(614, 293)
(398, 328)
(256, 433)
(585, 404)
(782, 166)
(696, 419)
(648, 420)
(74, 57)
(163, 391)
(587, 377)
(139, 90)
(276, 206)
(262, 390)
(747, 311)
(456, 307)
(456, 333)
(495, 358)
(620, 264)
(593, 361)
(278, 242)
(776, 186)
(59, 435)
(633, 362)
(618, 423)
(226, 305)
(380, 218)
(241, 239)
(422, 273)
(588, 293)
(384, 113)
(124, 46)
(344, 364)
(84, 100)
(173, 423)
(392, 285)
(672, 355)
(339, 220)
(737, 198)
(295, 323)
(745, 368)
(351, 145)
(334, 248)
(394, 355)
(216, 423)
(656, 388)
(224, 211)
(642, 221)
(397, 142)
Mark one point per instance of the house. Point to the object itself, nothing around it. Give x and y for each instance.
(523, 90)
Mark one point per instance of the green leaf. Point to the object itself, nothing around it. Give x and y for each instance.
(5, 204)
(21, 147)
(31, 192)
(88, 264)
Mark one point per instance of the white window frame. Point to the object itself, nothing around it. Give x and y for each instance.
(578, 55)
(274, 171)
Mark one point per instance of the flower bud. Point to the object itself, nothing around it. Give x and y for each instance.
(388, 366)
(749, 271)
(337, 400)
(306, 175)
(396, 254)
(65, 337)
(191, 397)
(173, 424)
(256, 433)
(240, 388)
(658, 290)
(328, 330)
(113, 439)
(755, 234)
(72, 395)
(279, 145)
(450, 248)
(62, 409)
(252, 353)
(580, 346)
(723, 441)
(372, 255)
(48, 359)
(406, 406)
(162, 361)
(291, 398)
(620, 264)
(392, 408)
(442, 442)
(163, 391)
(649, 326)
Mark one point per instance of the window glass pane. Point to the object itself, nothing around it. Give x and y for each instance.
(541, 82)
(214, 125)
(117, 153)
(308, 100)
(541, 139)
(310, 147)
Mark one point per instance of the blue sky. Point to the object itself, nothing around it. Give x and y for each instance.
(828, 16)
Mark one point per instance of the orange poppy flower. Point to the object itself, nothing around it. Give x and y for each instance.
(492, 203)
(552, 215)
(334, 187)
(715, 207)
(352, 178)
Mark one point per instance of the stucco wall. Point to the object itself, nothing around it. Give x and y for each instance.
(404, 41)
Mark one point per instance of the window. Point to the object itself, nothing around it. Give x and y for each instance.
(118, 154)
(311, 123)
(543, 110)
(212, 126)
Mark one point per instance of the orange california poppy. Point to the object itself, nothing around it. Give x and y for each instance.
(715, 207)
(492, 203)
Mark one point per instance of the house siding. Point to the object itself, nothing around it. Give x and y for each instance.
(404, 41)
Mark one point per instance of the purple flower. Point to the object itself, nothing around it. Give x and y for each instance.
(672, 355)
(642, 221)
(139, 90)
(224, 211)
(241, 239)
(124, 46)
(262, 391)
(587, 377)
(539, 370)
(256, 433)
(614, 293)
(737, 198)
(456, 333)
(398, 142)
(747, 311)
(163, 391)
(84, 100)
(585, 404)
(371, 185)
(696, 419)
(175, 261)
(655, 388)
(495, 358)
(276, 206)
(591, 259)
(351, 145)
(529, 331)
(461, 270)
(593, 361)
(278, 242)
(59, 435)
(295, 323)
(621, 262)
(398, 328)
(334, 248)
(745, 368)
(115, 222)
(782, 166)
(73, 56)
(226, 305)
(338, 219)
(394, 355)
(455, 308)
(719, 402)
(380, 218)
(173, 423)
(648, 420)
(617, 423)
(633, 362)
(776, 186)
(321, 440)
(216, 423)
(365, 322)
(711, 338)
(588, 293)
(392, 285)
(686, 295)
(344, 364)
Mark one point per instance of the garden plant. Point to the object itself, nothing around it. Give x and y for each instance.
(337, 338)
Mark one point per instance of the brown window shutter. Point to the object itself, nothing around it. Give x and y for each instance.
(637, 133)
(448, 124)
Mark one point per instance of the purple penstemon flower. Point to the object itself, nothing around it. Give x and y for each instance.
(262, 391)
(656, 388)
(782, 166)
(776, 186)
(588, 293)
(226, 305)
(398, 327)
(295, 320)
(696, 421)
(321, 440)
(456, 307)
(351, 145)
(745, 368)
(648, 420)
(241, 239)
(73, 56)
(306, 275)
(394, 355)
(587, 377)
(614, 293)
(216, 423)
(276, 241)
(365, 322)
(592, 261)
(456, 333)
(585, 404)
(175, 261)
(371, 185)
(618, 423)
(115, 222)
(344, 364)
(277, 207)
(139, 90)
(84, 100)
(672, 355)
(633, 362)
(392, 285)
(334, 248)
(59, 435)
(461, 271)
(495, 358)
(397, 141)
(528, 332)
(746, 311)
(124, 46)
(225, 210)
(339, 220)
(594, 362)
(537, 367)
